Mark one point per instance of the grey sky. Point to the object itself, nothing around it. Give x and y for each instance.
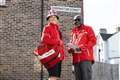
(102, 14)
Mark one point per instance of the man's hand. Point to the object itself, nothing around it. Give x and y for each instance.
(71, 51)
(74, 47)
(61, 43)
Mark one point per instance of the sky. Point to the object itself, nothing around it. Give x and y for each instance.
(102, 14)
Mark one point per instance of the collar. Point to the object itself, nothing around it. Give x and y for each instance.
(80, 27)
(53, 25)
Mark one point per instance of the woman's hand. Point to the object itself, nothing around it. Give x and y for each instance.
(61, 43)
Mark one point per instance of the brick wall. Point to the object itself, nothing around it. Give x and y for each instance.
(20, 34)
(20, 27)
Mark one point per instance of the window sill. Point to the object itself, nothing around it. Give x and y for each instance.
(3, 6)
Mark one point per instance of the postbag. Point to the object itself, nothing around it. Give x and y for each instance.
(46, 54)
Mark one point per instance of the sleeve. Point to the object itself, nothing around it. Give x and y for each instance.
(71, 36)
(91, 38)
(46, 37)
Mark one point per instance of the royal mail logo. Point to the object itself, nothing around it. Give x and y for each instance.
(46, 54)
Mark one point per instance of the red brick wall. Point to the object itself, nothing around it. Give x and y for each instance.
(20, 34)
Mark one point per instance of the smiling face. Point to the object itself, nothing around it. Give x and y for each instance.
(53, 19)
(77, 20)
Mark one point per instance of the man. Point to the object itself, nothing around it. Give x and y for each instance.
(81, 46)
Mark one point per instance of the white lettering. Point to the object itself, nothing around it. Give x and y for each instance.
(66, 9)
(50, 52)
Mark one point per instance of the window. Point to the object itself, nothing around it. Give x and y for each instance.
(2, 2)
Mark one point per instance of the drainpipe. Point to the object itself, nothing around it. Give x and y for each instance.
(82, 10)
(42, 14)
(42, 25)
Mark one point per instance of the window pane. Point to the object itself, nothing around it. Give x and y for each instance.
(2, 2)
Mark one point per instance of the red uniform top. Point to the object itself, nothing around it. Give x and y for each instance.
(51, 37)
(85, 38)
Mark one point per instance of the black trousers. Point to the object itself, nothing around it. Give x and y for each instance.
(56, 70)
(83, 70)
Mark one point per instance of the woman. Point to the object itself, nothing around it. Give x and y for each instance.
(51, 36)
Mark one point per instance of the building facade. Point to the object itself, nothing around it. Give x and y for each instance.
(21, 22)
(107, 49)
(101, 48)
(114, 50)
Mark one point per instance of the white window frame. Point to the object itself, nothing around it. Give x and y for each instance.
(2, 2)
